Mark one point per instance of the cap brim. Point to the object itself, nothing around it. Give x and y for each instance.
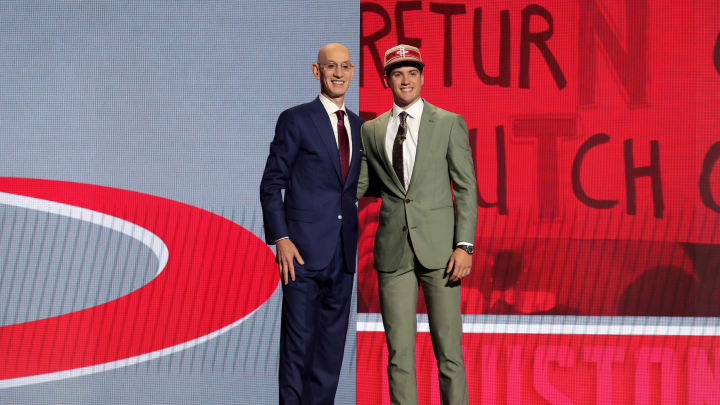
(404, 62)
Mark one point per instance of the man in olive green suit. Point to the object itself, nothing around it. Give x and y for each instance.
(411, 154)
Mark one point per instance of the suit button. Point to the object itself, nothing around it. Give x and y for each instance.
(408, 201)
(404, 228)
(339, 216)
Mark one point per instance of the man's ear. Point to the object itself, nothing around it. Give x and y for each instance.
(316, 70)
(385, 81)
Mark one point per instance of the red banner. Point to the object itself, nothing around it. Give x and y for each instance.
(594, 127)
(517, 369)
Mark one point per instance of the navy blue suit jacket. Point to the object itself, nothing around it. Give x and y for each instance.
(304, 160)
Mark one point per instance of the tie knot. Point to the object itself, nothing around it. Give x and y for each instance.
(340, 114)
(403, 118)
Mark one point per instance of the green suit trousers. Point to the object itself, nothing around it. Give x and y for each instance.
(398, 300)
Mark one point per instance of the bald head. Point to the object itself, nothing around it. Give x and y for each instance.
(337, 52)
(335, 70)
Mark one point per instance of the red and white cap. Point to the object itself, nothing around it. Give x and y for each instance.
(403, 53)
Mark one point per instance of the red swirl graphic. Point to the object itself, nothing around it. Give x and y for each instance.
(217, 274)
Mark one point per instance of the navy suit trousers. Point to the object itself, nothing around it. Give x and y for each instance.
(315, 312)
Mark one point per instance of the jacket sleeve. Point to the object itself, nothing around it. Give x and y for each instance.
(276, 177)
(368, 185)
(462, 174)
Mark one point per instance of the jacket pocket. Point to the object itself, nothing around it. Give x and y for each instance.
(299, 215)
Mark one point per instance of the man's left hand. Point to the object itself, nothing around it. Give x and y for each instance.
(459, 265)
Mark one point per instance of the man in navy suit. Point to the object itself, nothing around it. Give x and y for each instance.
(315, 157)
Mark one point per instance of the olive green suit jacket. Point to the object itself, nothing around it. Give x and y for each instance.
(425, 210)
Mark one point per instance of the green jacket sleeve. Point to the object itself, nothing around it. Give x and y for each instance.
(462, 174)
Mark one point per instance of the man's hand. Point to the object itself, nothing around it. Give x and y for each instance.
(459, 265)
(286, 252)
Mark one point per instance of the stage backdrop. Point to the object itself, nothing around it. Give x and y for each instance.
(594, 126)
(133, 136)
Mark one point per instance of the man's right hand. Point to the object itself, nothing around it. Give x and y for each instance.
(286, 252)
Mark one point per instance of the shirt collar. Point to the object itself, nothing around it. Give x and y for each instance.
(330, 107)
(415, 111)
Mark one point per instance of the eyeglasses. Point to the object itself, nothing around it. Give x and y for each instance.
(345, 67)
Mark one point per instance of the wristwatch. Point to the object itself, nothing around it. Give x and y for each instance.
(467, 248)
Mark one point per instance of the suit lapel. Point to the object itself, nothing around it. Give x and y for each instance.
(427, 126)
(326, 134)
(380, 134)
(356, 154)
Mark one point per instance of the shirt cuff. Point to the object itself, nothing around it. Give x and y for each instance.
(279, 239)
(463, 243)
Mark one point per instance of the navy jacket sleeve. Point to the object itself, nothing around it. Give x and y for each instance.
(283, 151)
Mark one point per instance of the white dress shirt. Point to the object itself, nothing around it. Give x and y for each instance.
(414, 113)
(331, 108)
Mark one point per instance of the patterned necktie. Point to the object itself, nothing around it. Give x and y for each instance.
(343, 144)
(397, 151)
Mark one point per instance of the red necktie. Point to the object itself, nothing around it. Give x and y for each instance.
(343, 144)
